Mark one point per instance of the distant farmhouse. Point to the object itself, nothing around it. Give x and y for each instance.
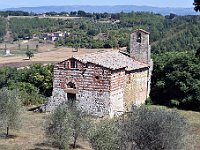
(105, 84)
(54, 36)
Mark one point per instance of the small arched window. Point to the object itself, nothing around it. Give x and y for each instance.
(73, 64)
(139, 38)
(97, 77)
(71, 85)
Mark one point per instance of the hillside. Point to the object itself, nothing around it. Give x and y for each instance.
(109, 9)
(169, 33)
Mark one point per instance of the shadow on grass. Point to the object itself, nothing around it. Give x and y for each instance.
(4, 136)
(44, 144)
(53, 146)
(77, 146)
(39, 148)
(26, 59)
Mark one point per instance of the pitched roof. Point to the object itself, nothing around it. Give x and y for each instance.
(112, 60)
(141, 30)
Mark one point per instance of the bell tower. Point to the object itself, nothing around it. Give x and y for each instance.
(140, 49)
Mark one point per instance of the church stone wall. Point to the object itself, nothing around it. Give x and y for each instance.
(136, 89)
(118, 79)
(90, 77)
(58, 97)
(94, 102)
(92, 84)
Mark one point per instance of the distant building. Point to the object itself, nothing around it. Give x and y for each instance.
(52, 36)
(105, 84)
(101, 36)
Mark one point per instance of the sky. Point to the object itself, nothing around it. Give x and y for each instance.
(34, 3)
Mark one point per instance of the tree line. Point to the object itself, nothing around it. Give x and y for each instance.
(27, 27)
(34, 83)
(15, 13)
(176, 79)
(2, 28)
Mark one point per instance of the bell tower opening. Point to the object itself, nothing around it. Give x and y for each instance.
(139, 38)
(139, 46)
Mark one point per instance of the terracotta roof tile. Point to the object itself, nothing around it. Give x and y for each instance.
(112, 60)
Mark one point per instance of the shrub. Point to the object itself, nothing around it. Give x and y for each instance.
(146, 128)
(151, 128)
(104, 136)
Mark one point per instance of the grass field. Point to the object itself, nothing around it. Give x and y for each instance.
(31, 136)
(194, 119)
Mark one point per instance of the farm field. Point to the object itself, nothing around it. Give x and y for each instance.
(31, 136)
(45, 56)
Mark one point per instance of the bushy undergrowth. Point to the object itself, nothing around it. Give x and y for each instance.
(33, 83)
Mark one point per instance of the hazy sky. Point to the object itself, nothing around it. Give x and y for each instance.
(33, 3)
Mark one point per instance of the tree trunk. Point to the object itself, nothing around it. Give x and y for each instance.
(7, 131)
(74, 145)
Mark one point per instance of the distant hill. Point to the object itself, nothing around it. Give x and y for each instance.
(109, 9)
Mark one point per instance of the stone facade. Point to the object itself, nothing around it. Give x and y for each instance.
(140, 49)
(105, 84)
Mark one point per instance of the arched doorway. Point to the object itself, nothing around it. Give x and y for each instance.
(71, 95)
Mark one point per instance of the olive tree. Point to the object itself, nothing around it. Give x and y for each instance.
(79, 124)
(10, 110)
(29, 54)
(146, 128)
(152, 128)
(104, 136)
(65, 125)
(57, 127)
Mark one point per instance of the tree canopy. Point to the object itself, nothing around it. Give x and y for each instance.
(176, 80)
(34, 83)
(196, 5)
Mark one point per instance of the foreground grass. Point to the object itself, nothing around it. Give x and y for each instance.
(31, 136)
(194, 119)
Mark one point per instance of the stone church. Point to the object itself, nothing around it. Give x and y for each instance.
(107, 83)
